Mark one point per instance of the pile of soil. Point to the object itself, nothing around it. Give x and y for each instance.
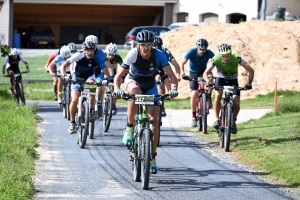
(272, 48)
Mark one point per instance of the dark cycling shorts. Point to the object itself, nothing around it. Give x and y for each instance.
(194, 84)
(228, 82)
(13, 70)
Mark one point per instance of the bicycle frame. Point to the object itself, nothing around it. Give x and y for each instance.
(85, 97)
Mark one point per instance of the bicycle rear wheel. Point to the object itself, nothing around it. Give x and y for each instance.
(21, 92)
(204, 113)
(136, 162)
(227, 130)
(64, 104)
(145, 158)
(84, 124)
(68, 100)
(107, 114)
(91, 129)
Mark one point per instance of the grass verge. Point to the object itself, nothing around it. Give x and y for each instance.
(19, 138)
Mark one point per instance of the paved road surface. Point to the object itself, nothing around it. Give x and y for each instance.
(102, 170)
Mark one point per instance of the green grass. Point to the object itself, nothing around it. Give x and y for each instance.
(18, 140)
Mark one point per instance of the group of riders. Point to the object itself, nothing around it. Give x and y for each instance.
(140, 70)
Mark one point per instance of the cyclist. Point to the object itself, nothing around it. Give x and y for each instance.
(53, 69)
(158, 44)
(111, 51)
(100, 58)
(65, 53)
(142, 63)
(198, 57)
(226, 63)
(12, 64)
(83, 71)
(72, 47)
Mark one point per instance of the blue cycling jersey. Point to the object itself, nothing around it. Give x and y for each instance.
(168, 54)
(144, 71)
(58, 60)
(198, 63)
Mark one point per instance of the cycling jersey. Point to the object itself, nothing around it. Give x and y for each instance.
(100, 58)
(198, 63)
(58, 60)
(115, 61)
(168, 54)
(14, 63)
(228, 70)
(84, 67)
(142, 71)
(50, 59)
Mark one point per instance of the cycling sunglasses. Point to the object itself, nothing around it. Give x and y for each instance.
(146, 44)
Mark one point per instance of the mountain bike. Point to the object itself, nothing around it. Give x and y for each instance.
(202, 104)
(226, 116)
(140, 151)
(107, 106)
(82, 118)
(17, 91)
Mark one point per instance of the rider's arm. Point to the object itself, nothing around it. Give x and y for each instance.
(169, 72)
(24, 61)
(118, 78)
(167, 83)
(109, 67)
(250, 70)
(105, 72)
(177, 69)
(50, 66)
(4, 65)
(208, 71)
(183, 62)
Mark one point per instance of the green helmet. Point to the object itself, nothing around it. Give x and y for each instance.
(224, 49)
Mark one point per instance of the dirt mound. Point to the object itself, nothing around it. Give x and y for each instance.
(271, 48)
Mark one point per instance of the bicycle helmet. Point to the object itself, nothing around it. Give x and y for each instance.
(72, 46)
(91, 38)
(145, 36)
(224, 49)
(14, 52)
(65, 51)
(202, 44)
(111, 48)
(158, 42)
(88, 45)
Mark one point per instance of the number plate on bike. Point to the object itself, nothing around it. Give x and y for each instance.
(144, 99)
(228, 88)
(86, 91)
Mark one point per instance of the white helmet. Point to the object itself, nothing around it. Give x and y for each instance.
(72, 46)
(65, 51)
(91, 38)
(111, 48)
(14, 51)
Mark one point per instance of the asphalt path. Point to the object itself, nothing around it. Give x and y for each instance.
(102, 169)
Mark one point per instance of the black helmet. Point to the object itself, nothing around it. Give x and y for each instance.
(145, 36)
(88, 45)
(158, 42)
(224, 49)
(202, 44)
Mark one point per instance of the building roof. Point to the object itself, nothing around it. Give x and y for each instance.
(102, 2)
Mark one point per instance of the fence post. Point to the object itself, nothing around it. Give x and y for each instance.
(275, 97)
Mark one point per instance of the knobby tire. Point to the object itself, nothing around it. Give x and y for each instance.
(22, 97)
(84, 124)
(227, 130)
(204, 113)
(199, 117)
(68, 101)
(146, 157)
(136, 163)
(107, 112)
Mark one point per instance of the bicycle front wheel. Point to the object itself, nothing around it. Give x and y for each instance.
(227, 130)
(136, 162)
(159, 125)
(204, 113)
(145, 157)
(107, 112)
(84, 124)
(199, 117)
(91, 129)
(21, 92)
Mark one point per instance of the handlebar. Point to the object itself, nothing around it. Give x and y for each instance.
(24, 72)
(129, 97)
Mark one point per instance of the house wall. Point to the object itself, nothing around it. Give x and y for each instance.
(6, 16)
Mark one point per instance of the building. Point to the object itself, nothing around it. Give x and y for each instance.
(110, 20)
